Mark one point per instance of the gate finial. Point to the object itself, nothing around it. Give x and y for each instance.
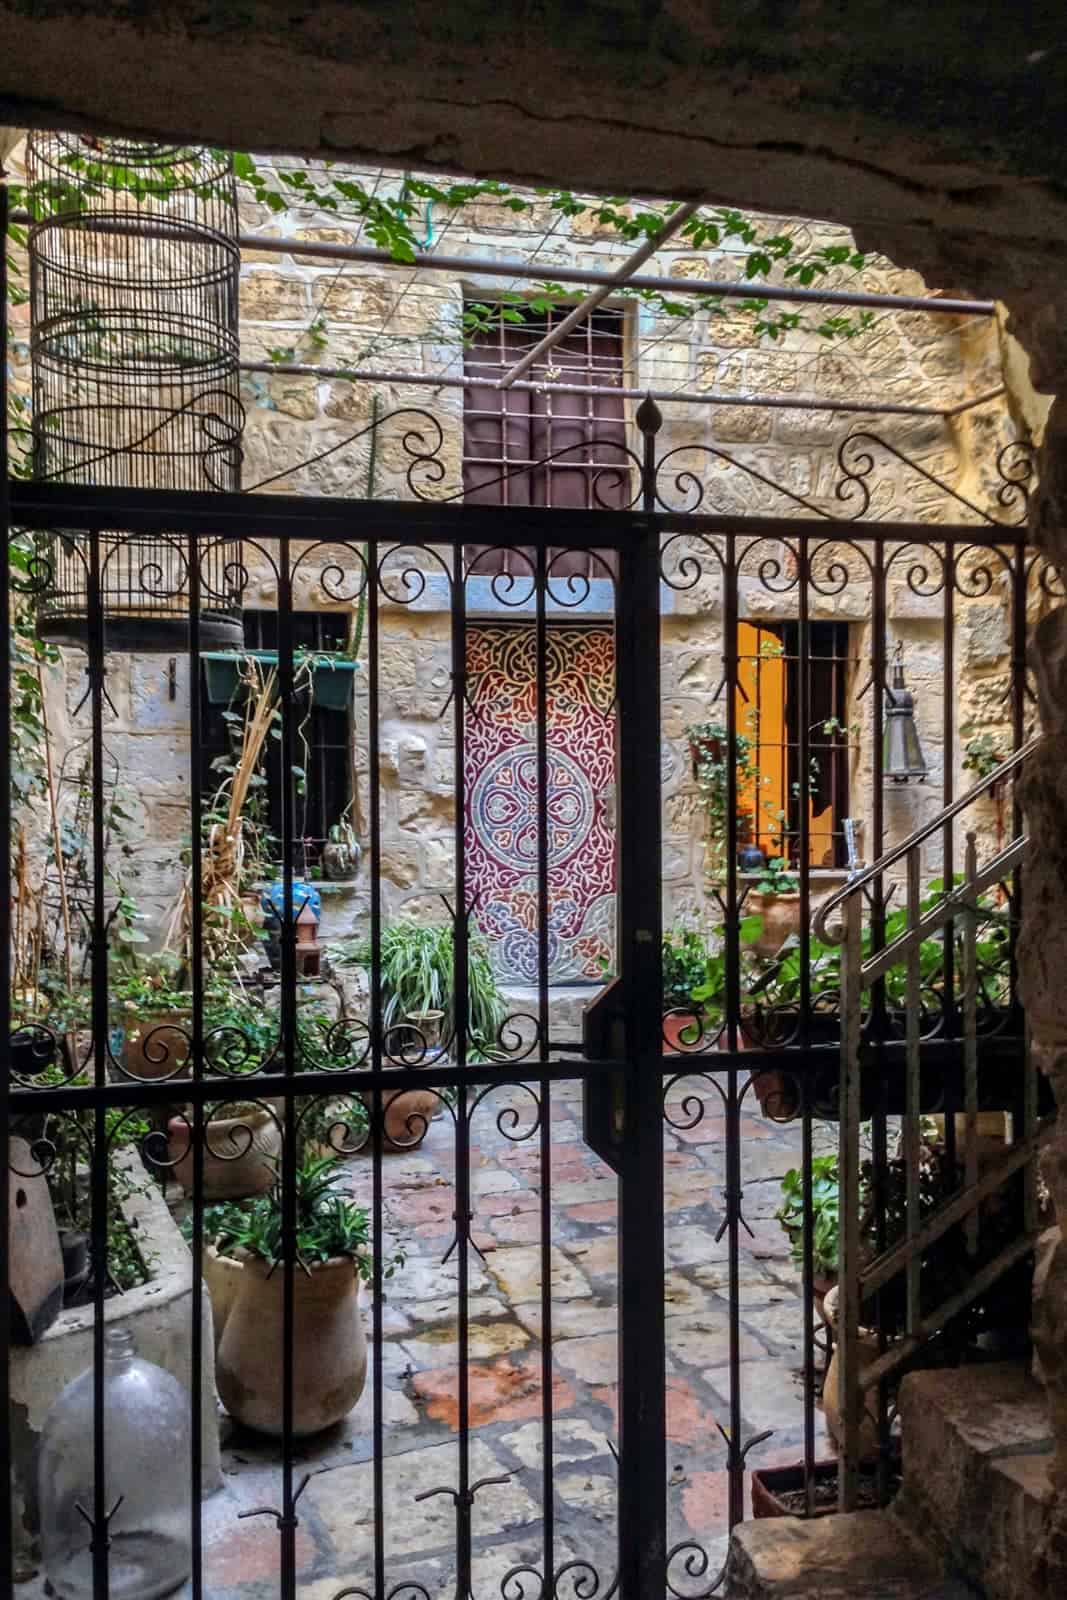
(649, 417)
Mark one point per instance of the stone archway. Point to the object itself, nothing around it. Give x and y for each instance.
(933, 132)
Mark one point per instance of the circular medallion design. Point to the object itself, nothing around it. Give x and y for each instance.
(505, 810)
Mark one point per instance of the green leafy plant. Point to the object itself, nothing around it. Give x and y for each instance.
(709, 746)
(825, 1206)
(149, 984)
(417, 975)
(328, 1224)
(777, 877)
(685, 956)
(129, 1262)
(982, 755)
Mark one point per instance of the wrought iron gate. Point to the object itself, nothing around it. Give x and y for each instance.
(208, 1085)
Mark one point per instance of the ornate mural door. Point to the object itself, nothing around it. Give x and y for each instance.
(502, 798)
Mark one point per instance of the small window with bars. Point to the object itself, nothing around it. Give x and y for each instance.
(563, 447)
(770, 707)
(322, 739)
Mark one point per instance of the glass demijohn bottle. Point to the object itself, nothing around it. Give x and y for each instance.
(147, 1472)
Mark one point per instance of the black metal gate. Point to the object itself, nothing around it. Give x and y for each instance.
(88, 1090)
(199, 1087)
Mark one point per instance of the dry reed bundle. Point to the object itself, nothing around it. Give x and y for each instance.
(222, 862)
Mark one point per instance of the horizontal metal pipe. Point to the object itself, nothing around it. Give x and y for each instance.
(273, 1085)
(937, 305)
(770, 402)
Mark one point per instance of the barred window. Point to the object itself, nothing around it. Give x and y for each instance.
(523, 447)
(768, 716)
(321, 740)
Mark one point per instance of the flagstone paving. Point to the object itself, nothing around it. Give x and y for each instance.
(420, 1384)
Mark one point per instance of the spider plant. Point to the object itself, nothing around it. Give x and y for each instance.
(417, 975)
(328, 1224)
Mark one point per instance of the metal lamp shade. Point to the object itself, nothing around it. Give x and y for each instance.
(902, 755)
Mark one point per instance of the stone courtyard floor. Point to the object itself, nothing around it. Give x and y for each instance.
(335, 1537)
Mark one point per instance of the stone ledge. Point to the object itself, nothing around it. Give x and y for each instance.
(977, 1453)
(863, 1556)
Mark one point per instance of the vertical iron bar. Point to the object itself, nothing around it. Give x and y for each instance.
(807, 1297)
(1018, 657)
(461, 1013)
(197, 1134)
(948, 836)
(642, 1357)
(1028, 1098)
(544, 911)
(6, 1531)
(731, 667)
(970, 1035)
(910, 1129)
(848, 1309)
(877, 843)
(99, 1166)
(877, 1006)
(288, 1523)
(378, 1051)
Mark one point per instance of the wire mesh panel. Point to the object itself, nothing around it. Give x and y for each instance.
(134, 267)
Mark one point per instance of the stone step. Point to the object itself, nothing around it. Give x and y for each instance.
(864, 1555)
(977, 1450)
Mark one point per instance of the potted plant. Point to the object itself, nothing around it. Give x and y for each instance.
(332, 1256)
(327, 675)
(783, 1491)
(779, 906)
(341, 853)
(824, 1221)
(685, 971)
(153, 1008)
(418, 1027)
(242, 1137)
(708, 747)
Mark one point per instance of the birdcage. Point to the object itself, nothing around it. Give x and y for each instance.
(134, 272)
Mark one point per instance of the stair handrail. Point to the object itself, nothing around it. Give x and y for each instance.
(859, 1274)
(862, 876)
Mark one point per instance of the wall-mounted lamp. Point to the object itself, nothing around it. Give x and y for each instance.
(902, 755)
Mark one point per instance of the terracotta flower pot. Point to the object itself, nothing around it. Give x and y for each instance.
(157, 1046)
(775, 1490)
(781, 920)
(683, 1032)
(330, 1364)
(240, 1154)
(778, 1094)
(222, 1279)
(407, 1116)
(867, 1351)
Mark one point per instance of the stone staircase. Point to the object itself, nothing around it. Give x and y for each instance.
(976, 1451)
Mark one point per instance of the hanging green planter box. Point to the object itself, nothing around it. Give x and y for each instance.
(331, 684)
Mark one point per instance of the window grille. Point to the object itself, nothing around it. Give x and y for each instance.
(323, 743)
(527, 448)
(769, 711)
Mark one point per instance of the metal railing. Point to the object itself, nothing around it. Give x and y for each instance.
(901, 1221)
